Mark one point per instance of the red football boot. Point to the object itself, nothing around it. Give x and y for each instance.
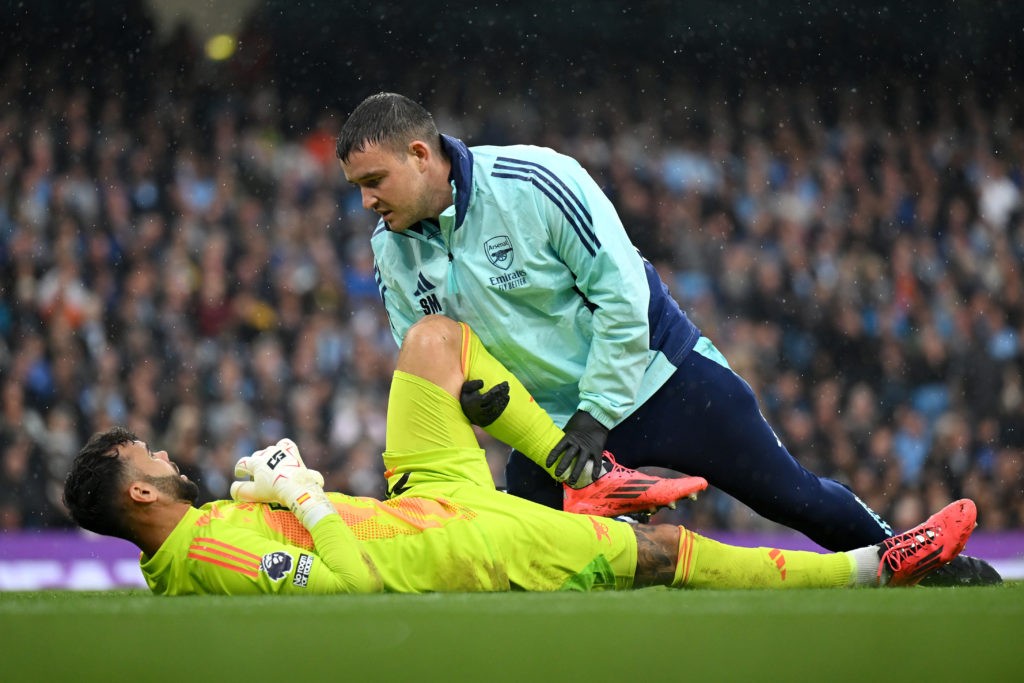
(624, 491)
(910, 556)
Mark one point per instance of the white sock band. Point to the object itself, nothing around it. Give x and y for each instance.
(865, 571)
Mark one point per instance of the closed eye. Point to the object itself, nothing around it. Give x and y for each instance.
(367, 181)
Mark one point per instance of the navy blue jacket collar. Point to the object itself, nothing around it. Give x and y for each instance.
(462, 174)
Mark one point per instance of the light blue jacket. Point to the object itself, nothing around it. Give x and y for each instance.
(533, 256)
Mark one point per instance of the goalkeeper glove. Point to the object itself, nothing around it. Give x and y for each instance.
(583, 443)
(278, 475)
(484, 408)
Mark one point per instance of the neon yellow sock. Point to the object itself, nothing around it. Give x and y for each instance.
(706, 563)
(524, 425)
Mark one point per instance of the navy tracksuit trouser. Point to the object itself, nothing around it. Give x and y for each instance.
(705, 421)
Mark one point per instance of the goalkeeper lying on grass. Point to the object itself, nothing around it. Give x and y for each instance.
(445, 527)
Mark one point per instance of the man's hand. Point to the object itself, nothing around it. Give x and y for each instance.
(278, 475)
(482, 409)
(583, 443)
(269, 471)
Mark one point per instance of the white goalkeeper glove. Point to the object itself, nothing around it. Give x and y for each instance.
(278, 475)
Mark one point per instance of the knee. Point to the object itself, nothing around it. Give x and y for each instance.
(666, 537)
(657, 554)
(433, 333)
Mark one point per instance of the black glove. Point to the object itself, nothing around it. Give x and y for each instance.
(483, 409)
(583, 442)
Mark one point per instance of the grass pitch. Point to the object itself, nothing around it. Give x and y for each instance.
(930, 634)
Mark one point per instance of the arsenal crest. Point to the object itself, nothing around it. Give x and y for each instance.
(499, 251)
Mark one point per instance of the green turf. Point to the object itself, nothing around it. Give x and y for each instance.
(644, 636)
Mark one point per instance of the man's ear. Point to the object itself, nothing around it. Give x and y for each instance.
(142, 492)
(421, 151)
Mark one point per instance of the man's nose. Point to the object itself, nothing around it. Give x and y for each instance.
(369, 199)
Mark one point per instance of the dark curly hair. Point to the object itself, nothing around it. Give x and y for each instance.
(92, 487)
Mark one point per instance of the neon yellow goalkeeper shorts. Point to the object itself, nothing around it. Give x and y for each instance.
(432, 452)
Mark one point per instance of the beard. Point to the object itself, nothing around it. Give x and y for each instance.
(183, 490)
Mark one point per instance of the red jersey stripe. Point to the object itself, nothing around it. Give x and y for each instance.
(202, 540)
(251, 572)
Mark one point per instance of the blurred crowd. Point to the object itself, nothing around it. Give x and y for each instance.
(182, 256)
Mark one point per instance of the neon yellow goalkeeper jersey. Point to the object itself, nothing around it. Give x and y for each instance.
(488, 541)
